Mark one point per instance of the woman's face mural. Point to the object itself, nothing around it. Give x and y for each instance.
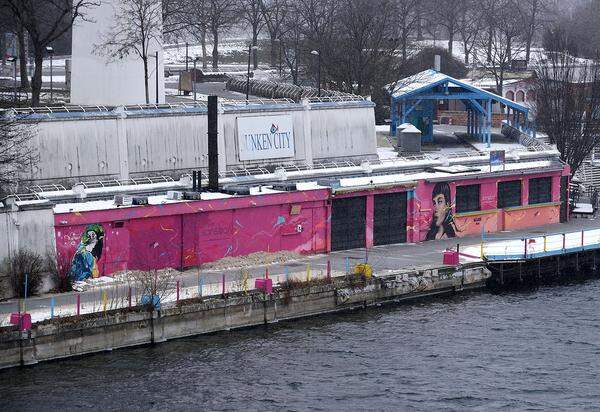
(85, 261)
(442, 222)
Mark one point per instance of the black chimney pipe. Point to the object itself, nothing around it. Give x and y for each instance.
(213, 147)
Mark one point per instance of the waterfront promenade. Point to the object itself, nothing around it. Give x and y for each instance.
(383, 259)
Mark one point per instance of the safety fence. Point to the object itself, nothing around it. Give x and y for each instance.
(168, 287)
(533, 247)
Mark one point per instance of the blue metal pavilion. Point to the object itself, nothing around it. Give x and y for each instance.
(414, 100)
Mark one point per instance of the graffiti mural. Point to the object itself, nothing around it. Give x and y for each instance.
(84, 264)
(442, 224)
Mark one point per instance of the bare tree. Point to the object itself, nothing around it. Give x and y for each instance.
(10, 24)
(252, 15)
(568, 105)
(137, 23)
(174, 13)
(46, 21)
(531, 10)
(16, 156)
(198, 18)
(274, 12)
(22, 40)
(469, 24)
(502, 44)
(445, 13)
(292, 40)
(155, 286)
(223, 14)
(409, 20)
(361, 59)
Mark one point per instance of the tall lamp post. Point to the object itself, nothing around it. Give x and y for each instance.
(251, 48)
(13, 60)
(50, 51)
(196, 60)
(186, 56)
(318, 54)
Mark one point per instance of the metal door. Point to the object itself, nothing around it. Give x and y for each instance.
(348, 223)
(389, 215)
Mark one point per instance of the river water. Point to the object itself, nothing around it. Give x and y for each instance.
(538, 349)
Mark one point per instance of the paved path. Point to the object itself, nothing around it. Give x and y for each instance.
(381, 258)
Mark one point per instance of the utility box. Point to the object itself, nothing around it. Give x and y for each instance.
(23, 320)
(264, 285)
(451, 258)
(409, 139)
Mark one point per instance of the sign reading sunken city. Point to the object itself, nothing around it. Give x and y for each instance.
(265, 137)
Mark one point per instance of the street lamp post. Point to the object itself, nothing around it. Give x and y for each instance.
(186, 56)
(156, 57)
(318, 54)
(250, 49)
(156, 73)
(13, 59)
(50, 51)
(196, 59)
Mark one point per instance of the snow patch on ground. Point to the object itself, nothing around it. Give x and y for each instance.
(386, 153)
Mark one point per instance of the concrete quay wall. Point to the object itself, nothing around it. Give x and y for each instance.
(75, 336)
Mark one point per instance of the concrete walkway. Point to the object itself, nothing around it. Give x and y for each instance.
(381, 258)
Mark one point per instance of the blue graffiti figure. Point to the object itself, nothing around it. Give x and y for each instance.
(85, 261)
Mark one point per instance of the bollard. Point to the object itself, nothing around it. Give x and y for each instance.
(545, 243)
(129, 297)
(78, 304)
(525, 254)
(266, 273)
(104, 300)
(328, 269)
(223, 283)
(481, 251)
(200, 285)
(177, 291)
(286, 270)
(564, 242)
(52, 308)
(308, 272)
(245, 277)
(582, 243)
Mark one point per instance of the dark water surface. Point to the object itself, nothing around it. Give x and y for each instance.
(536, 350)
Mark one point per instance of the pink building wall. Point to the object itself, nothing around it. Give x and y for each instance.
(489, 219)
(185, 234)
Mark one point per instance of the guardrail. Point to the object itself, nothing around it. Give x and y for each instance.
(538, 246)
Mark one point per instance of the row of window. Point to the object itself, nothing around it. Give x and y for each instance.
(509, 194)
(519, 96)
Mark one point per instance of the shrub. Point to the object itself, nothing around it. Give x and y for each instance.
(21, 263)
(62, 283)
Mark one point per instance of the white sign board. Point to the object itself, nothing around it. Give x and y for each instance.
(265, 137)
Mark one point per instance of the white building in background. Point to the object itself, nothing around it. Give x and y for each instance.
(95, 81)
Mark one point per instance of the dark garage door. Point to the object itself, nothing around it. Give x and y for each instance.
(348, 217)
(389, 224)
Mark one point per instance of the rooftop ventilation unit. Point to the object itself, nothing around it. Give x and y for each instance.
(236, 190)
(175, 195)
(285, 187)
(140, 200)
(192, 195)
